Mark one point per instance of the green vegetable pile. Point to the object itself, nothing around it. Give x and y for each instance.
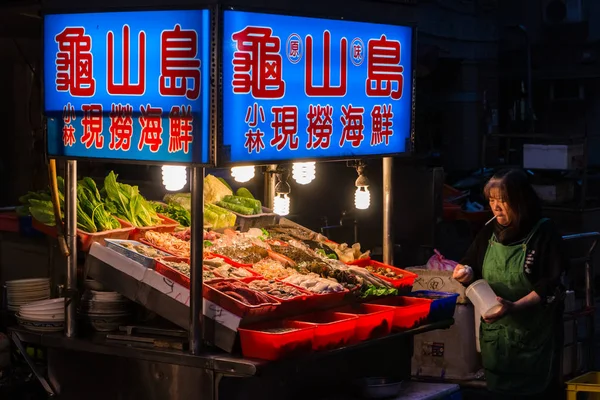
(174, 211)
(242, 203)
(92, 215)
(126, 202)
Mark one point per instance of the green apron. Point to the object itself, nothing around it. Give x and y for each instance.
(518, 349)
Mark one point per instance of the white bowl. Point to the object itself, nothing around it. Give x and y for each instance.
(43, 317)
(46, 304)
(41, 326)
(25, 282)
(93, 285)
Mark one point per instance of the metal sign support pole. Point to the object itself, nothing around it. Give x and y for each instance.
(270, 182)
(388, 241)
(197, 243)
(71, 236)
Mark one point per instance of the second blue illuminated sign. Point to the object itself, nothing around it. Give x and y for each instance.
(304, 88)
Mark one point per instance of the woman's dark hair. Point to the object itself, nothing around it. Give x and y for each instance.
(514, 188)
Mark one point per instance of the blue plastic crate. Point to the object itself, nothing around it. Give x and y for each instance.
(148, 262)
(443, 304)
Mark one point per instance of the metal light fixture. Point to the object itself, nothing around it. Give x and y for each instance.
(304, 172)
(362, 196)
(281, 200)
(242, 174)
(174, 177)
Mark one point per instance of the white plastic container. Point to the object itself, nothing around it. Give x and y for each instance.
(483, 298)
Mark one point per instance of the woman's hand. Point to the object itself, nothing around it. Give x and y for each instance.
(507, 308)
(463, 273)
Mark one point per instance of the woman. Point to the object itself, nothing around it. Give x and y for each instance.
(519, 255)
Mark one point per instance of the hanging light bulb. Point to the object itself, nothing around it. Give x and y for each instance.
(362, 196)
(174, 177)
(242, 174)
(304, 172)
(281, 201)
(281, 204)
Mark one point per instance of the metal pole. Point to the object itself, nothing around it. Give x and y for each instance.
(270, 182)
(388, 242)
(71, 234)
(197, 244)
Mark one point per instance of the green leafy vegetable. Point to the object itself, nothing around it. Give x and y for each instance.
(175, 212)
(128, 204)
(207, 243)
(374, 291)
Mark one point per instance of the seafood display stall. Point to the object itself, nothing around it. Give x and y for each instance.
(271, 310)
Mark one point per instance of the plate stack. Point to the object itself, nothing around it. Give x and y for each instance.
(105, 311)
(24, 291)
(43, 316)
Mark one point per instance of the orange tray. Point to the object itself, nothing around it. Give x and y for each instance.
(168, 225)
(86, 239)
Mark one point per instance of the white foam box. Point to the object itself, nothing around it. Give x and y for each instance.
(552, 156)
(448, 353)
(440, 281)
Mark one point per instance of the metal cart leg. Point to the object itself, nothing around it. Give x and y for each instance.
(52, 393)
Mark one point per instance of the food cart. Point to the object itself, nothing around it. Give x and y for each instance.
(215, 87)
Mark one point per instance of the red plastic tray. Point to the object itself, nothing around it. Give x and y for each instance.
(294, 305)
(87, 239)
(333, 329)
(9, 222)
(234, 306)
(256, 343)
(168, 225)
(373, 320)
(175, 275)
(409, 312)
(404, 284)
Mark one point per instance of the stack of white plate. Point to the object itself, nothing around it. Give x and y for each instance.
(43, 316)
(105, 311)
(24, 291)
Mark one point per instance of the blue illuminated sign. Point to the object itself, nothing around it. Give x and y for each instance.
(128, 85)
(304, 88)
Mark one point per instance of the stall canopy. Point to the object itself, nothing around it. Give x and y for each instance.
(304, 88)
(128, 86)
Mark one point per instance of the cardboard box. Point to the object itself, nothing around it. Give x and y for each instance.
(554, 156)
(438, 280)
(448, 353)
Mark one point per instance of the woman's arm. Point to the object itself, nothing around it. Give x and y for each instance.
(508, 307)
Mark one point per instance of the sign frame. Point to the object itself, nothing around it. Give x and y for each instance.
(221, 151)
(212, 88)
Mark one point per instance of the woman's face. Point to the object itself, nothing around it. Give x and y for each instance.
(500, 208)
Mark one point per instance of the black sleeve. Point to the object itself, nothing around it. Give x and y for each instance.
(546, 260)
(476, 253)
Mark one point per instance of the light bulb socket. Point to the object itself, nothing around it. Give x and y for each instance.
(282, 187)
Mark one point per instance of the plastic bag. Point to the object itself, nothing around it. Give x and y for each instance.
(438, 262)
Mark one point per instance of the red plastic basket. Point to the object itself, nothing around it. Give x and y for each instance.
(175, 275)
(87, 239)
(235, 306)
(9, 222)
(333, 329)
(168, 225)
(404, 284)
(409, 312)
(373, 320)
(294, 305)
(258, 343)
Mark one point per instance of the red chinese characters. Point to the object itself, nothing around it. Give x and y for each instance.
(151, 123)
(121, 127)
(254, 138)
(352, 122)
(257, 63)
(126, 87)
(92, 126)
(68, 129)
(327, 89)
(320, 126)
(74, 66)
(384, 72)
(180, 129)
(179, 67)
(285, 127)
(381, 124)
